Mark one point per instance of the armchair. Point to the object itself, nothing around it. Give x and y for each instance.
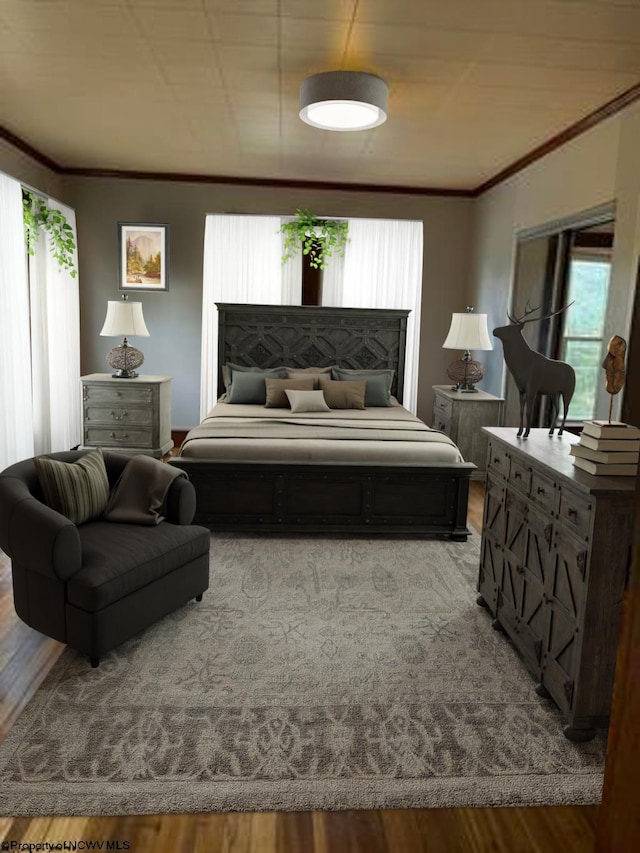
(97, 584)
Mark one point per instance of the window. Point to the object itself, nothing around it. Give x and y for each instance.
(581, 343)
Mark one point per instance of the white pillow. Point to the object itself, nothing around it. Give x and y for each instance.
(306, 401)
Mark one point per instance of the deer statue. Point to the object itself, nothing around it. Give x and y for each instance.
(534, 373)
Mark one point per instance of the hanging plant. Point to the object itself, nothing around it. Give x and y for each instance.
(318, 238)
(37, 214)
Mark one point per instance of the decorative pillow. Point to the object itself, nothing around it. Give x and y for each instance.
(342, 394)
(378, 392)
(276, 398)
(307, 401)
(79, 490)
(247, 388)
(229, 369)
(305, 372)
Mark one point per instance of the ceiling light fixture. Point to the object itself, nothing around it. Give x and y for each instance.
(343, 100)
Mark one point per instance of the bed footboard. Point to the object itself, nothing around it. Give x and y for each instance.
(330, 498)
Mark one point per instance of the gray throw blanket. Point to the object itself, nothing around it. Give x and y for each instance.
(139, 495)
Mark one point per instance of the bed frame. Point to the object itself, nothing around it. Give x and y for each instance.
(320, 497)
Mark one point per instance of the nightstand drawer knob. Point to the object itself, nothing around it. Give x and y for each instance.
(115, 437)
(119, 417)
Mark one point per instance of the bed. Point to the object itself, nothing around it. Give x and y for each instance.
(375, 469)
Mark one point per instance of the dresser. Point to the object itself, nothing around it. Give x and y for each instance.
(553, 568)
(461, 415)
(128, 415)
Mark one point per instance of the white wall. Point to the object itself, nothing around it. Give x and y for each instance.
(599, 167)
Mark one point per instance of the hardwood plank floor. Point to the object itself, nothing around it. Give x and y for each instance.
(25, 659)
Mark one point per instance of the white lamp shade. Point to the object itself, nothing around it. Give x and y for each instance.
(124, 318)
(468, 331)
(343, 100)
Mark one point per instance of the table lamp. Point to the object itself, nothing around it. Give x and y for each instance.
(124, 318)
(468, 331)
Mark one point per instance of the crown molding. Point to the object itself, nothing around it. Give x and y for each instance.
(586, 123)
(280, 183)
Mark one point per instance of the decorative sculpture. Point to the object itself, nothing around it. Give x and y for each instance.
(613, 364)
(534, 373)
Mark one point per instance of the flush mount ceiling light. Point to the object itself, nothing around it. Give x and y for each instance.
(343, 100)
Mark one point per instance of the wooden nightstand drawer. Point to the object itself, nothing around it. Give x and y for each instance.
(442, 423)
(118, 416)
(442, 406)
(118, 436)
(117, 394)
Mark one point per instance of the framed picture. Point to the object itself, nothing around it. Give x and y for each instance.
(143, 251)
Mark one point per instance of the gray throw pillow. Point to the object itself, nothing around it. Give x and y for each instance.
(276, 398)
(378, 391)
(229, 369)
(78, 490)
(307, 401)
(343, 395)
(247, 388)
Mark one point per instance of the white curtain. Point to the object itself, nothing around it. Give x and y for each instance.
(383, 269)
(243, 264)
(55, 347)
(291, 274)
(16, 415)
(332, 282)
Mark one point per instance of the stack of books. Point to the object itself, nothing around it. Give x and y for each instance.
(608, 448)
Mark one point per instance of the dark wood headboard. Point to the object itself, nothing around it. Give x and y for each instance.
(309, 336)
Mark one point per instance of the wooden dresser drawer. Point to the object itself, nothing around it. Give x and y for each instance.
(498, 460)
(543, 491)
(117, 394)
(117, 436)
(442, 406)
(520, 474)
(575, 512)
(118, 415)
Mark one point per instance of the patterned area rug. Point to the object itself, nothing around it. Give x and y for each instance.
(325, 673)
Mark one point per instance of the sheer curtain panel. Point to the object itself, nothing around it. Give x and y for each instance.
(55, 347)
(16, 414)
(383, 269)
(243, 264)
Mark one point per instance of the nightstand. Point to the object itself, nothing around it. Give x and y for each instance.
(128, 415)
(461, 415)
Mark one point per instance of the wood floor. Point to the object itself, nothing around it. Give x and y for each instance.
(25, 659)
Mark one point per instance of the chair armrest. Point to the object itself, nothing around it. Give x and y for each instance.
(180, 505)
(41, 539)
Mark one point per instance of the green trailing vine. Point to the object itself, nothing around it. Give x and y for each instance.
(318, 238)
(37, 214)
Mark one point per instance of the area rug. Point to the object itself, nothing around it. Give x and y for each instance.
(317, 673)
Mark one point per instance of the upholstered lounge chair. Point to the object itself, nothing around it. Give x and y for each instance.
(97, 584)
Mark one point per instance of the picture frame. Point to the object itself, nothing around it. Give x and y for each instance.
(143, 256)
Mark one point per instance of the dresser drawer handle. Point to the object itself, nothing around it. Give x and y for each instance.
(541, 491)
(119, 417)
(572, 513)
(114, 436)
(496, 460)
(518, 475)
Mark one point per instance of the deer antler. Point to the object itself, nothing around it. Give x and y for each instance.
(546, 317)
(527, 310)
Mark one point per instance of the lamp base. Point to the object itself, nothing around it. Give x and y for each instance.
(465, 372)
(124, 359)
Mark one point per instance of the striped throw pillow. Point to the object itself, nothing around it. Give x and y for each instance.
(78, 490)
